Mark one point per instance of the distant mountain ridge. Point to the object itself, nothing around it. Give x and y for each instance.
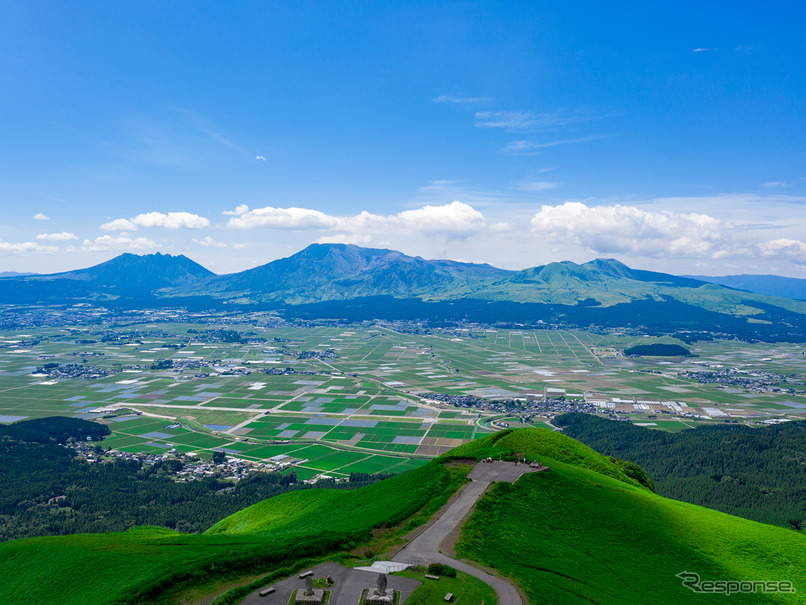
(771, 285)
(345, 276)
(131, 274)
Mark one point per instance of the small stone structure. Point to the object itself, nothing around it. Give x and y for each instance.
(379, 595)
(309, 595)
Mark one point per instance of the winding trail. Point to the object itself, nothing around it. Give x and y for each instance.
(425, 547)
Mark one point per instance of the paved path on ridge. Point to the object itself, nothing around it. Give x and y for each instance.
(425, 547)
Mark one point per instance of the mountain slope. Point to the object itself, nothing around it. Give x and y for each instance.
(582, 532)
(125, 275)
(602, 292)
(342, 271)
(769, 285)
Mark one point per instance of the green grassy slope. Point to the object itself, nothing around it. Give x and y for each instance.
(140, 565)
(572, 535)
(540, 444)
(583, 532)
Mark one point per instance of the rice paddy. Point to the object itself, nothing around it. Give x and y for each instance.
(337, 400)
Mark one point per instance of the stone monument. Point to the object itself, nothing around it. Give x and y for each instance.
(310, 595)
(379, 595)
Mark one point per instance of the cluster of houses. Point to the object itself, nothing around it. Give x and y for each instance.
(193, 468)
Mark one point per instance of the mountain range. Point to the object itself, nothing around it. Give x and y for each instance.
(771, 285)
(341, 279)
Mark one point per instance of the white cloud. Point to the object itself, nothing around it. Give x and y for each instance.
(502, 227)
(700, 50)
(170, 220)
(239, 210)
(210, 242)
(282, 218)
(261, 158)
(119, 224)
(120, 242)
(346, 238)
(621, 229)
(455, 220)
(58, 237)
(41, 217)
(793, 249)
(26, 248)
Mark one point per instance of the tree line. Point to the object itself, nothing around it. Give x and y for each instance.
(755, 473)
(36, 470)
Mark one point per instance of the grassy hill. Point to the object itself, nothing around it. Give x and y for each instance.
(584, 532)
(140, 565)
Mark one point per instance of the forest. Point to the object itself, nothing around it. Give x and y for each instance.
(48, 490)
(755, 473)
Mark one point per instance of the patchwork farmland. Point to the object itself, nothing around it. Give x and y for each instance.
(335, 400)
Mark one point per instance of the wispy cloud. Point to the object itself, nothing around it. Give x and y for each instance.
(460, 100)
(209, 242)
(701, 50)
(536, 185)
(529, 120)
(41, 217)
(260, 158)
(211, 130)
(525, 147)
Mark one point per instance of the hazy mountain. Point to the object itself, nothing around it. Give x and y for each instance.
(351, 281)
(344, 271)
(14, 274)
(771, 285)
(129, 275)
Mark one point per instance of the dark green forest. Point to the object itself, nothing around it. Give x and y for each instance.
(755, 473)
(36, 467)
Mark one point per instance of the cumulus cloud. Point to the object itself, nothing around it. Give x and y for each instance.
(41, 217)
(281, 218)
(63, 236)
(239, 210)
(455, 220)
(119, 242)
(621, 229)
(170, 220)
(25, 248)
(346, 238)
(793, 249)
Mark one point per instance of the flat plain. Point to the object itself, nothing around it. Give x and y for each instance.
(336, 399)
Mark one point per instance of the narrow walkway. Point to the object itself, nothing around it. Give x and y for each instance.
(425, 547)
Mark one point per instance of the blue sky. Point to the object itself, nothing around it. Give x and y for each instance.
(669, 137)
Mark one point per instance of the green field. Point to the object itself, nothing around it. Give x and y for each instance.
(361, 399)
